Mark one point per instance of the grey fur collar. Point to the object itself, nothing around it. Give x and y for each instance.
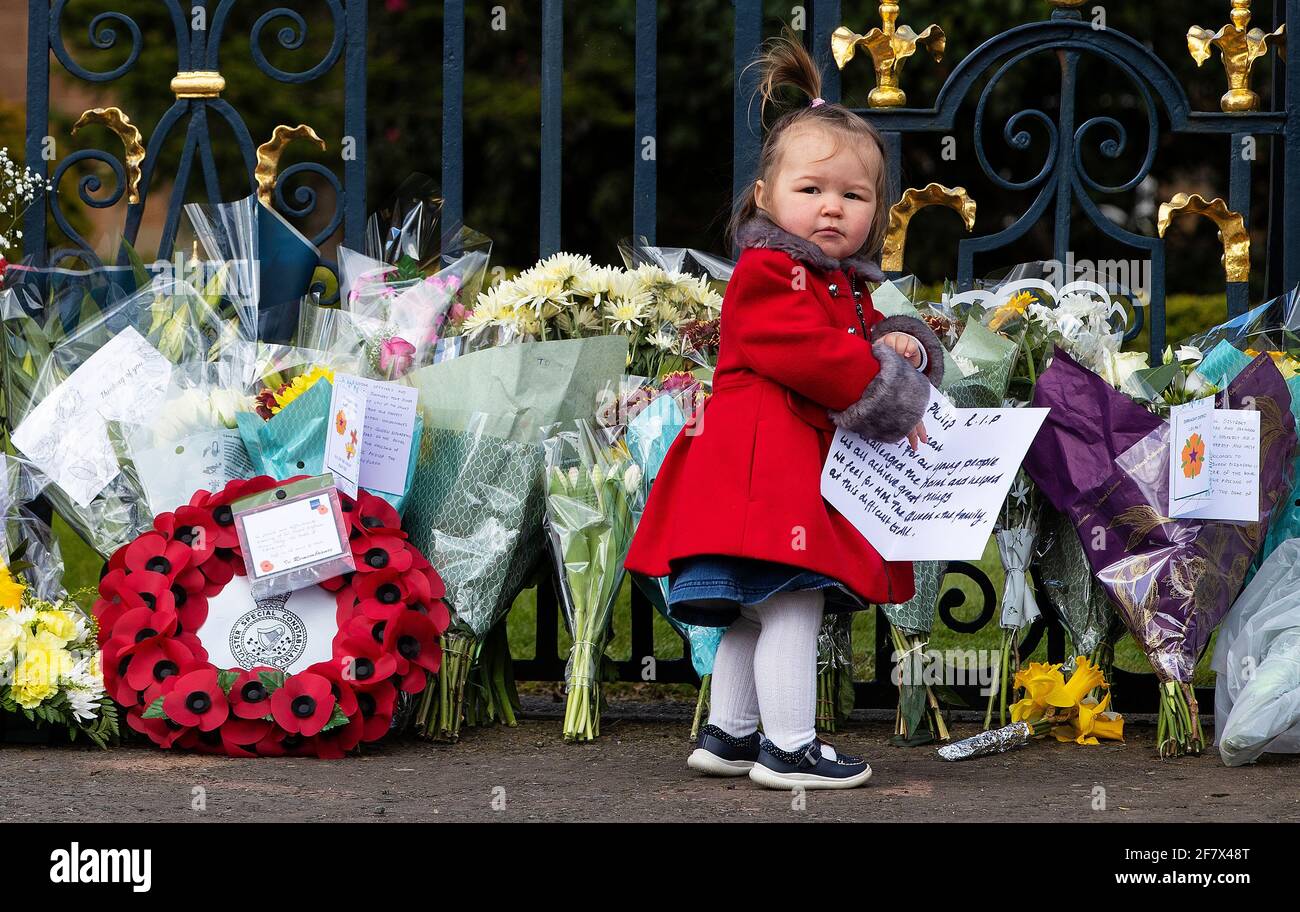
(761, 231)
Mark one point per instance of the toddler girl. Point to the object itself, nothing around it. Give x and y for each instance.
(736, 517)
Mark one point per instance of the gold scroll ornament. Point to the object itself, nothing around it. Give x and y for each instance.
(1239, 48)
(1232, 230)
(268, 156)
(889, 47)
(132, 142)
(912, 202)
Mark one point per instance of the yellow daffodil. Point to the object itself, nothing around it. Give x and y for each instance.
(11, 590)
(1039, 680)
(1086, 678)
(1093, 721)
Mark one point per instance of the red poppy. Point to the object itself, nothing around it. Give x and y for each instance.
(303, 704)
(413, 640)
(335, 743)
(240, 737)
(196, 528)
(152, 552)
(191, 607)
(420, 564)
(140, 626)
(363, 662)
(154, 662)
(373, 513)
(163, 732)
(381, 552)
(339, 686)
(249, 698)
(219, 571)
(197, 700)
(376, 708)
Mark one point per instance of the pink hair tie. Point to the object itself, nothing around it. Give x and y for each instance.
(817, 101)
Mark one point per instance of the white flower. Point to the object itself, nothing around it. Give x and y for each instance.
(627, 314)
(632, 478)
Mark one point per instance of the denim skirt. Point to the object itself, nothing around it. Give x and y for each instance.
(709, 590)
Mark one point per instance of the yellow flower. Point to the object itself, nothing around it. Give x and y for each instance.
(11, 590)
(1039, 680)
(1093, 721)
(1085, 679)
(1014, 308)
(59, 624)
(300, 385)
(11, 634)
(35, 680)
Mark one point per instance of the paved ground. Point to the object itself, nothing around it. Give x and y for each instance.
(636, 773)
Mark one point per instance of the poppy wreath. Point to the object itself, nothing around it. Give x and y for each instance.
(153, 599)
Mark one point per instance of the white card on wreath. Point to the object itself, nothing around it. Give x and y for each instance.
(939, 502)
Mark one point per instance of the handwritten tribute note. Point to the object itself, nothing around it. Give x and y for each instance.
(1213, 462)
(66, 434)
(389, 426)
(940, 502)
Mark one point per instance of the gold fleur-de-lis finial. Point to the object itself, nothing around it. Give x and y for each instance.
(1239, 46)
(889, 46)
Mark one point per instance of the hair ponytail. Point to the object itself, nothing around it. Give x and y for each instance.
(784, 61)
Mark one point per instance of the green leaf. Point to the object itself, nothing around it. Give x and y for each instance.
(947, 696)
(272, 680)
(142, 277)
(155, 710)
(226, 680)
(339, 717)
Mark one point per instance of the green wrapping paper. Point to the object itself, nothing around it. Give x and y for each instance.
(292, 441)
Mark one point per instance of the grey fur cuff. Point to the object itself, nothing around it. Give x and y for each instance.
(923, 334)
(894, 401)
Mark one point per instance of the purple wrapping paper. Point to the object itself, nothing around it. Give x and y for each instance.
(1102, 459)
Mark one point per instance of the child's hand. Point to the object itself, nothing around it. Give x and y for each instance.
(917, 435)
(906, 345)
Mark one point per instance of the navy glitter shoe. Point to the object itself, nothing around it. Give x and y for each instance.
(720, 754)
(807, 768)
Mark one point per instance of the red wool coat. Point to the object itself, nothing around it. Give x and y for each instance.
(745, 481)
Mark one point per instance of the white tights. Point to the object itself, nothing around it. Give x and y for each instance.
(767, 666)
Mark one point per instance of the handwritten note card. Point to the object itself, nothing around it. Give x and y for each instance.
(1190, 431)
(940, 502)
(66, 434)
(345, 439)
(390, 427)
(1232, 462)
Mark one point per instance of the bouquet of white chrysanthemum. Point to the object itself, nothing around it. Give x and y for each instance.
(566, 296)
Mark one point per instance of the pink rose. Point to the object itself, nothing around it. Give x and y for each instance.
(396, 356)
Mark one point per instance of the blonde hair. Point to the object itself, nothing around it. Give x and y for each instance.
(785, 62)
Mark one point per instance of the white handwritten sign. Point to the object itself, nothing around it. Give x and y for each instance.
(940, 502)
(65, 435)
(390, 429)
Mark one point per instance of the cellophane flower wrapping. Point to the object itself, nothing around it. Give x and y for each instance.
(26, 534)
(95, 489)
(477, 499)
(1257, 664)
(1225, 350)
(1103, 460)
(592, 488)
(652, 414)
